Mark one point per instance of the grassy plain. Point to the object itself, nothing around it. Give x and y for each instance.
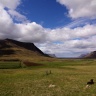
(69, 76)
(10, 65)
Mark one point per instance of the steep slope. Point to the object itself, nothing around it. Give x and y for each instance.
(14, 49)
(91, 55)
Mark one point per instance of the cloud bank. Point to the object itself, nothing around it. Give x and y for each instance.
(11, 4)
(80, 8)
(63, 41)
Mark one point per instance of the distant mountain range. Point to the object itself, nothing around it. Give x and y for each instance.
(83, 55)
(51, 55)
(15, 49)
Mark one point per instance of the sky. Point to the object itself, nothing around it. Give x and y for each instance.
(66, 28)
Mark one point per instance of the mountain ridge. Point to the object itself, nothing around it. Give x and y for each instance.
(13, 48)
(91, 55)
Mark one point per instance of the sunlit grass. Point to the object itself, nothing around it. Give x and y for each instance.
(69, 76)
(10, 64)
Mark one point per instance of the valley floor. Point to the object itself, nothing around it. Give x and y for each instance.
(68, 77)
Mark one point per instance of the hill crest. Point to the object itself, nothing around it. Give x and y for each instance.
(9, 47)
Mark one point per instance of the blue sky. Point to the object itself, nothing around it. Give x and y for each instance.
(48, 13)
(62, 27)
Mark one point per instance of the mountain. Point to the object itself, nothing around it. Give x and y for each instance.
(91, 55)
(51, 55)
(83, 55)
(15, 49)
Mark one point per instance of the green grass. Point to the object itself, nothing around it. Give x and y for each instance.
(68, 62)
(9, 64)
(69, 76)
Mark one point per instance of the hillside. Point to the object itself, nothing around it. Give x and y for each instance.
(91, 55)
(12, 49)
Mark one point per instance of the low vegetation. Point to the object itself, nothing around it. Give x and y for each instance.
(10, 64)
(67, 77)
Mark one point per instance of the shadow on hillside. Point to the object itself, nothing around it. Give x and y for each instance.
(27, 63)
(6, 52)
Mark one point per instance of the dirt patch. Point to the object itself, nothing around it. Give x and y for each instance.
(9, 60)
(27, 63)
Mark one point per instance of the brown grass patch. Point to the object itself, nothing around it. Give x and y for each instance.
(27, 63)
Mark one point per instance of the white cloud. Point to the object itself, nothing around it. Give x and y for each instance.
(17, 16)
(70, 48)
(70, 42)
(80, 8)
(31, 32)
(5, 23)
(11, 4)
(77, 23)
(62, 34)
(61, 41)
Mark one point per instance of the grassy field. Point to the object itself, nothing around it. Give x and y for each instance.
(68, 75)
(10, 64)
